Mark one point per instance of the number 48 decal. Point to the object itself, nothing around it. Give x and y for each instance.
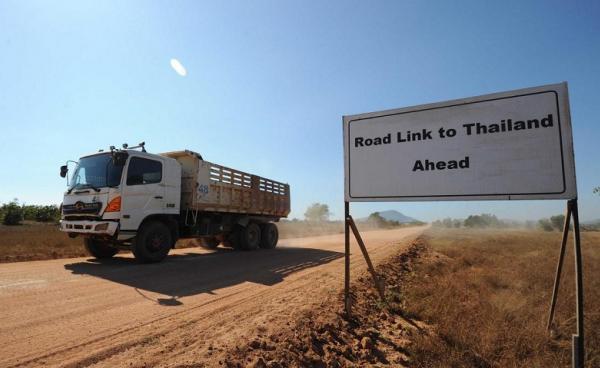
(203, 189)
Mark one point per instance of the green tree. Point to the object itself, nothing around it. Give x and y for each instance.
(377, 219)
(545, 224)
(483, 220)
(11, 213)
(317, 212)
(558, 221)
(29, 212)
(41, 213)
(474, 221)
(47, 214)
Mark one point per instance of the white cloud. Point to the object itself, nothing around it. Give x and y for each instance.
(179, 69)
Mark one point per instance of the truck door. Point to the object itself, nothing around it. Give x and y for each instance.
(143, 192)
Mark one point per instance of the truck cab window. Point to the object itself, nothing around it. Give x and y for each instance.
(143, 171)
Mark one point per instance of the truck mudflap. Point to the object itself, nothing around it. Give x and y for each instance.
(89, 227)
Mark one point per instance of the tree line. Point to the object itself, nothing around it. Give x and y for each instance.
(14, 213)
(319, 212)
(552, 223)
(484, 220)
(383, 223)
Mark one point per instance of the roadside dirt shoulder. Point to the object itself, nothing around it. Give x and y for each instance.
(376, 334)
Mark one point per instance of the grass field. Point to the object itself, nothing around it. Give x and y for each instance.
(486, 296)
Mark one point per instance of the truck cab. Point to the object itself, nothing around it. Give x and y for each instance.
(111, 194)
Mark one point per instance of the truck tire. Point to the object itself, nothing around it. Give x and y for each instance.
(249, 237)
(152, 242)
(232, 239)
(99, 249)
(207, 243)
(269, 235)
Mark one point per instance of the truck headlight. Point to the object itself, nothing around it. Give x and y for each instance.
(101, 227)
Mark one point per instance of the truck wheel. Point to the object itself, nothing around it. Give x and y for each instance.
(269, 236)
(250, 237)
(152, 242)
(99, 249)
(207, 243)
(232, 239)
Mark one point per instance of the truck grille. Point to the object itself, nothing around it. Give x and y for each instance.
(82, 218)
(82, 208)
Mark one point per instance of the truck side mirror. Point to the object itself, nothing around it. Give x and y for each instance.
(119, 158)
(63, 171)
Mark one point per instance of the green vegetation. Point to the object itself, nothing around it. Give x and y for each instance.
(382, 223)
(483, 220)
(553, 223)
(13, 213)
(545, 224)
(317, 212)
(558, 221)
(473, 221)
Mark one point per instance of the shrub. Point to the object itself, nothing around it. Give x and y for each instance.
(483, 220)
(558, 221)
(11, 213)
(545, 224)
(317, 212)
(47, 214)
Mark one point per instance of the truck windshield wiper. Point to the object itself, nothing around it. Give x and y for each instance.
(95, 188)
(88, 186)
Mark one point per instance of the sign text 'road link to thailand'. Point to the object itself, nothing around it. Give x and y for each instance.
(510, 145)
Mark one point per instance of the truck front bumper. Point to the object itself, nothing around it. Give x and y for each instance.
(89, 227)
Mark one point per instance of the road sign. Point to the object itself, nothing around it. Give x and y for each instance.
(509, 145)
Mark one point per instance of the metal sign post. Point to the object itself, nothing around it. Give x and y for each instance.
(350, 224)
(578, 339)
(347, 301)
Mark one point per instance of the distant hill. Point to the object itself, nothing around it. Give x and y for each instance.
(393, 215)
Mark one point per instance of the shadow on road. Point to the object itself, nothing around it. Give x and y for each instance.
(194, 273)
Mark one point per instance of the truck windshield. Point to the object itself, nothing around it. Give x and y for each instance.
(95, 172)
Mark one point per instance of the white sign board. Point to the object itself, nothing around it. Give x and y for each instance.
(509, 145)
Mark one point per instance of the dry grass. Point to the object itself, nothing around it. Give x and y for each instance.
(36, 241)
(33, 241)
(487, 297)
(300, 229)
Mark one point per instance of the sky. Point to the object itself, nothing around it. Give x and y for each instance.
(267, 82)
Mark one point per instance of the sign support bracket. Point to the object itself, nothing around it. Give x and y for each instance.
(349, 224)
(578, 339)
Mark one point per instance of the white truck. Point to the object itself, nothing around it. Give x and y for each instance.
(129, 199)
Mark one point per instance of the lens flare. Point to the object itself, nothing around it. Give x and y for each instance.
(179, 69)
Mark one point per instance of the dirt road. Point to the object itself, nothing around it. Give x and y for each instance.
(187, 310)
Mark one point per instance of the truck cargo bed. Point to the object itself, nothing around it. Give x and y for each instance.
(210, 187)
